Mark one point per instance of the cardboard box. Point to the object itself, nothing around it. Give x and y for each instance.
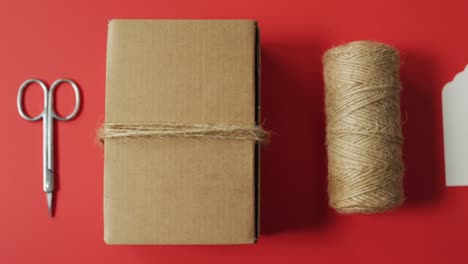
(176, 190)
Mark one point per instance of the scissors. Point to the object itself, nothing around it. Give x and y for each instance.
(48, 115)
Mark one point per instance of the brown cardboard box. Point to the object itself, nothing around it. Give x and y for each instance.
(181, 191)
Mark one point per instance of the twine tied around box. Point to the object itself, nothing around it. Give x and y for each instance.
(363, 132)
(174, 130)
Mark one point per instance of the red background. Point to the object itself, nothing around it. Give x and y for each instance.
(53, 39)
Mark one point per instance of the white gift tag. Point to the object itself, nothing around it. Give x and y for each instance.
(455, 115)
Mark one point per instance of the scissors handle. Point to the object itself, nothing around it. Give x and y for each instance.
(19, 99)
(51, 99)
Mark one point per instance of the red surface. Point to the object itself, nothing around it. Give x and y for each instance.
(52, 39)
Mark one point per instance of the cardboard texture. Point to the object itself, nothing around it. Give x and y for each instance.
(181, 191)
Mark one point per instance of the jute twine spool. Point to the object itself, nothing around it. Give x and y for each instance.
(364, 139)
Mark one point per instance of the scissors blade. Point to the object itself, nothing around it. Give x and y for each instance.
(49, 196)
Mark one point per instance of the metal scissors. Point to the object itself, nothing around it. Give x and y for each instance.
(48, 115)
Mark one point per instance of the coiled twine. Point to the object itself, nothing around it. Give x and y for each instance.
(364, 139)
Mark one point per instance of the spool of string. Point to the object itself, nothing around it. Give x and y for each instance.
(364, 139)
